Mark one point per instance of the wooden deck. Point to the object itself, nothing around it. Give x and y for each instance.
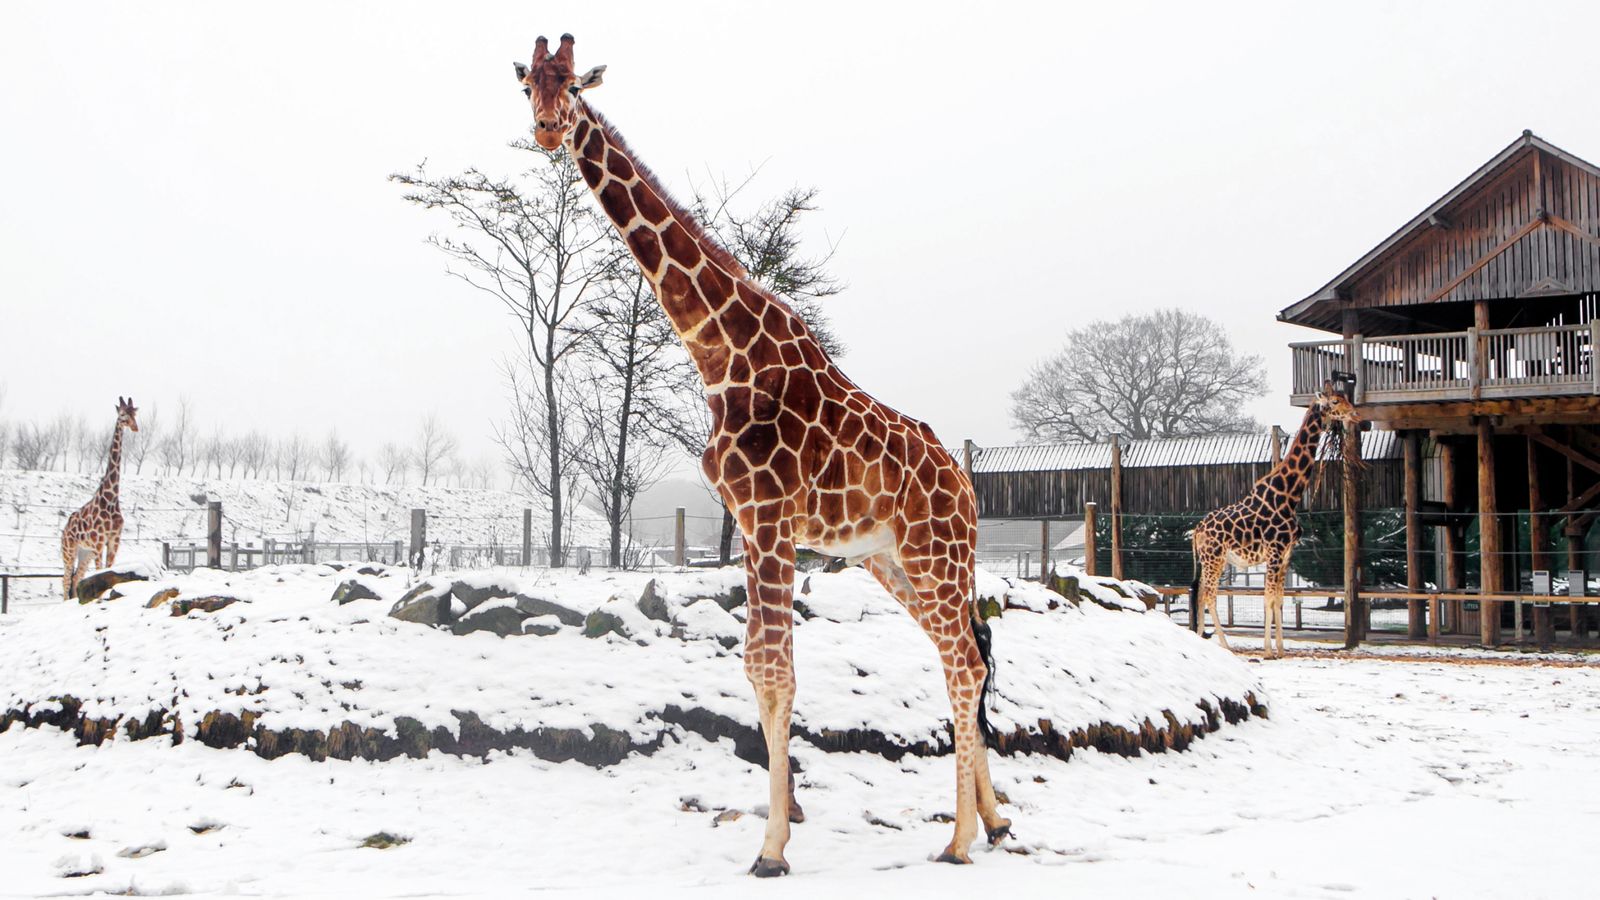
(1498, 363)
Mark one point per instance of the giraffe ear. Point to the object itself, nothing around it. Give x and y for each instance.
(591, 78)
(522, 71)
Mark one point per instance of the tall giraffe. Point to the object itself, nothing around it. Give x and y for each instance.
(1263, 528)
(799, 453)
(97, 526)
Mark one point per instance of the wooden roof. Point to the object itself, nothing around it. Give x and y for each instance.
(1525, 224)
(1211, 450)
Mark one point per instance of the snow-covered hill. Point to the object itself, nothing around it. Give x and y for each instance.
(34, 506)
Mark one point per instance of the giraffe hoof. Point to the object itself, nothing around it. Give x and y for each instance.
(999, 832)
(953, 859)
(769, 868)
(796, 814)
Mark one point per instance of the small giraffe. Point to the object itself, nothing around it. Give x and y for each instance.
(799, 454)
(94, 532)
(1262, 528)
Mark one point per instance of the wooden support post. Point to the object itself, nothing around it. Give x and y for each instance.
(1491, 562)
(1088, 537)
(1277, 446)
(419, 536)
(1116, 507)
(968, 451)
(680, 547)
(1538, 546)
(1433, 619)
(166, 555)
(1454, 577)
(1044, 551)
(1575, 536)
(527, 537)
(5, 594)
(1299, 614)
(1416, 618)
(214, 534)
(1351, 490)
(233, 556)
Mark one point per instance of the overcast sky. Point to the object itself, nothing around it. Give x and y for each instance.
(195, 198)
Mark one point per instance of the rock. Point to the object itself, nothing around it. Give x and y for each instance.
(502, 620)
(473, 597)
(652, 605)
(735, 597)
(425, 604)
(541, 626)
(538, 606)
(204, 604)
(372, 569)
(97, 583)
(160, 597)
(353, 589)
(600, 623)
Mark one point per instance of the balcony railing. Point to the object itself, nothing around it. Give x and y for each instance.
(1456, 365)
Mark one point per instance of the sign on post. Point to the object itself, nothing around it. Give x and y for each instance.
(1541, 586)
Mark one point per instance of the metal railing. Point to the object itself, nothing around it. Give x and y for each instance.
(1455, 365)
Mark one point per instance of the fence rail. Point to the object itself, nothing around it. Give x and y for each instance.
(1454, 365)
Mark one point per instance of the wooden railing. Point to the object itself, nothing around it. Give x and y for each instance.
(1455, 365)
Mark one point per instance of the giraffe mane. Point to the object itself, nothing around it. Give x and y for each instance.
(708, 245)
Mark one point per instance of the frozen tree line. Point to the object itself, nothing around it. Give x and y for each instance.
(602, 400)
(171, 441)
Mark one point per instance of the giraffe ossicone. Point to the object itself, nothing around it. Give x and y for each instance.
(94, 532)
(798, 452)
(1263, 528)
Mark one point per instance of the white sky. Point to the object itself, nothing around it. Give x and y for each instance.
(196, 198)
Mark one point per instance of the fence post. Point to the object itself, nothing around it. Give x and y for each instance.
(1277, 446)
(527, 537)
(680, 548)
(1044, 551)
(233, 556)
(5, 594)
(214, 534)
(398, 549)
(1116, 506)
(1088, 537)
(419, 534)
(166, 555)
(1299, 614)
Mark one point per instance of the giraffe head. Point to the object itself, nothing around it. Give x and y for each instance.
(552, 86)
(1335, 406)
(127, 414)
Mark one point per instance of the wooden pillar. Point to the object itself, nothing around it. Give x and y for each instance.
(1116, 507)
(680, 546)
(1575, 536)
(527, 537)
(1538, 545)
(1277, 446)
(419, 535)
(1417, 612)
(1454, 576)
(1088, 537)
(1351, 489)
(5, 594)
(214, 534)
(1491, 562)
(968, 450)
(1044, 551)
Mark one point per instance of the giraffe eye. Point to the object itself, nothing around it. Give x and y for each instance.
(527, 92)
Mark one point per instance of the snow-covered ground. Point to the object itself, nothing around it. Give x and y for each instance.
(1372, 778)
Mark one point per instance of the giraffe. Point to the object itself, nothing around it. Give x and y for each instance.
(1262, 528)
(94, 532)
(798, 452)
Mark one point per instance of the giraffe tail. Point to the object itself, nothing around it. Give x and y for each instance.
(980, 630)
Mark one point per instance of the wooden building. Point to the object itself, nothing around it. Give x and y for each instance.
(1476, 324)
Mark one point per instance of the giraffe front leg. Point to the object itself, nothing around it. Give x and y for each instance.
(113, 543)
(964, 670)
(1277, 572)
(69, 554)
(1210, 578)
(769, 665)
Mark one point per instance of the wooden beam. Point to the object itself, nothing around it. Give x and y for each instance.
(1452, 414)
(1116, 507)
(1089, 526)
(1484, 260)
(1490, 567)
(1538, 543)
(1416, 619)
(1351, 490)
(1581, 459)
(1454, 577)
(1574, 230)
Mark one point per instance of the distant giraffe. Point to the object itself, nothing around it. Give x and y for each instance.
(94, 532)
(1263, 528)
(799, 454)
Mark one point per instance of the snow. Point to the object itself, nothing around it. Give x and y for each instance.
(1372, 779)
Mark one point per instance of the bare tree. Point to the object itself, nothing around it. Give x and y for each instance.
(87, 445)
(334, 457)
(178, 448)
(537, 248)
(394, 462)
(255, 453)
(149, 435)
(34, 446)
(433, 449)
(1168, 373)
(294, 458)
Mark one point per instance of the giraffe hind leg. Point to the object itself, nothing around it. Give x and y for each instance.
(769, 666)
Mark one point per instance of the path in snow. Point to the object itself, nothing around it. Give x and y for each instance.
(1373, 779)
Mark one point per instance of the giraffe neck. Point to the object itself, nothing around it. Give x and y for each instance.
(110, 485)
(730, 325)
(1295, 467)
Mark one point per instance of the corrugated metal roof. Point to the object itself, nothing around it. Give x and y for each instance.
(1214, 450)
